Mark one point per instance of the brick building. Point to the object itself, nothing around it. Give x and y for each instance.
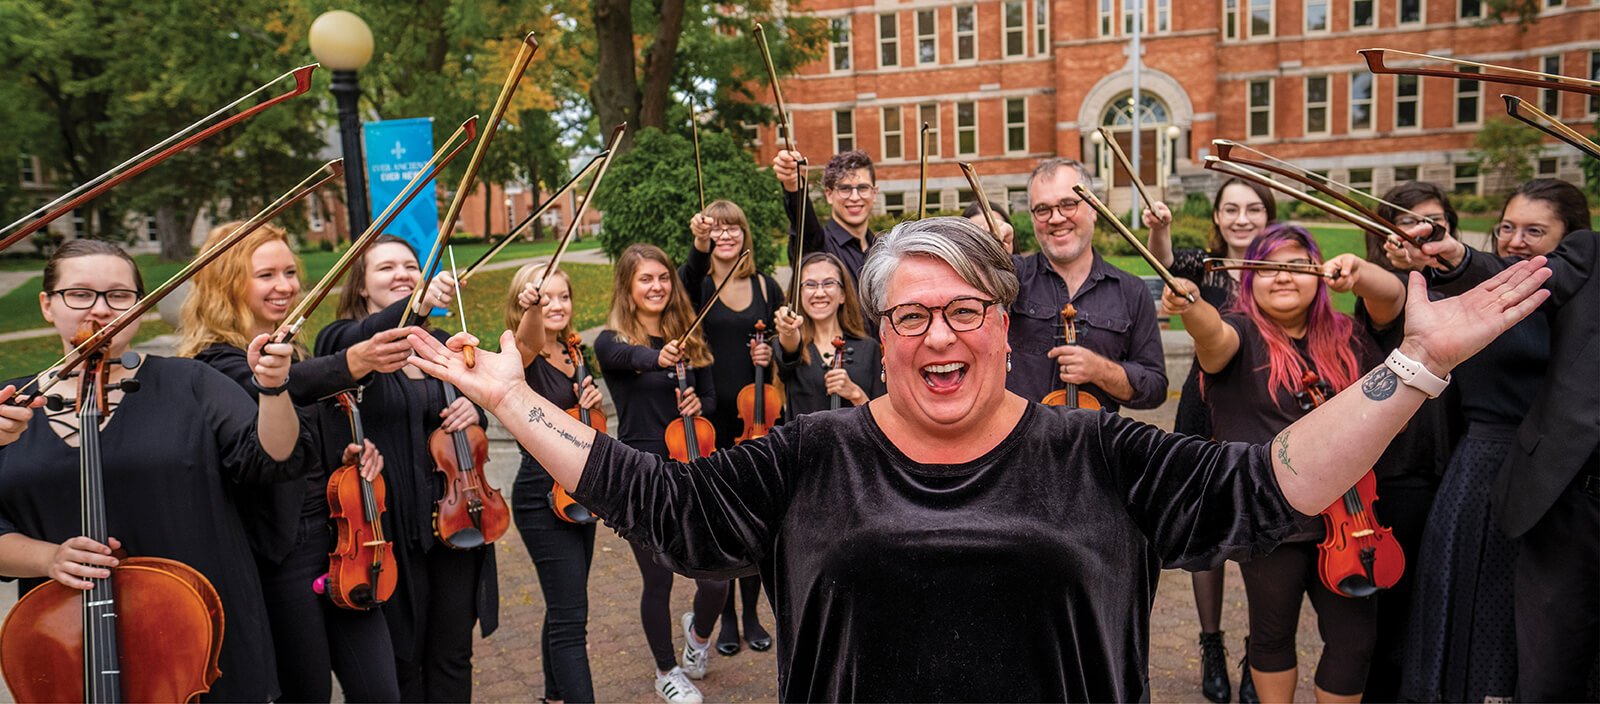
(1004, 83)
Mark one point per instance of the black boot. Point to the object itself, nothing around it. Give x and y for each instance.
(728, 635)
(1247, 686)
(1214, 668)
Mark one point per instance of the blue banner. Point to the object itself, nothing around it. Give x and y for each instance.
(397, 150)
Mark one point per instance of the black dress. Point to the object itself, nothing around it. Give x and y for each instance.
(805, 384)
(1222, 292)
(169, 449)
(1023, 575)
(728, 334)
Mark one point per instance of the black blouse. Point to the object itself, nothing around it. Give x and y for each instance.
(805, 383)
(1024, 575)
(644, 392)
(170, 450)
(728, 333)
(533, 483)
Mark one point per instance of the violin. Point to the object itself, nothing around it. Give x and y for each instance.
(834, 400)
(471, 513)
(759, 402)
(689, 437)
(154, 628)
(560, 501)
(1360, 556)
(1070, 396)
(362, 573)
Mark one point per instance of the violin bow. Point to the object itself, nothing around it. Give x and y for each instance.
(799, 218)
(713, 299)
(533, 216)
(468, 352)
(699, 175)
(983, 199)
(583, 207)
(297, 317)
(1525, 112)
(135, 165)
(1231, 169)
(1219, 264)
(491, 126)
(324, 174)
(1116, 223)
(1377, 62)
(922, 172)
(1122, 158)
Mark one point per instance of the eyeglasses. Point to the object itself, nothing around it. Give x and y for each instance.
(1407, 222)
(84, 298)
(962, 315)
(1507, 231)
(1232, 211)
(726, 232)
(824, 285)
(862, 190)
(1067, 208)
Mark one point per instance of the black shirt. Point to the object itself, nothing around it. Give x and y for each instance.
(645, 392)
(1115, 319)
(805, 383)
(533, 483)
(830, 237)
(1221, 291)
(1023, 575)
(728, 333)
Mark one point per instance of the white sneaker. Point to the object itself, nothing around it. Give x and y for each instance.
(675, 688)
(695, 659)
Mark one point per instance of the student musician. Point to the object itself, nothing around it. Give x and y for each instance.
(814, 370)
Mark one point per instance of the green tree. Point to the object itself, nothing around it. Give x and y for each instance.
(650, 193)
(1504, 150)
(1591, 173)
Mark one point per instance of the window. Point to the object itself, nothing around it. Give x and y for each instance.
(1471, 9)
(1466, 180)
(1316, 15)
(1041, 26)
(933, 201)
(1468, 94)
(840, 48)
(26, 170)
(966, 33)
(1317, 104)
(894, 203)
(929, 113)
(1547, 167)
(888, 41)
(844, 131)
(1016, 125)
(1016, 33)
(1554, 3)
(1105, 17)
(1594, 75)
(80, 224)
(314, 213)
(893, 134)
(1128, 8)
(1406, 91)
(1361, 179)
(966, 129)
(1230, 19)
(151, 232)
(1550, 100)
(1260, 18)
(1261, 108)
(927, 36)
(1163, 15)
(1360, 101)
(1403, 174)
(1362, 14)
(1410, 11)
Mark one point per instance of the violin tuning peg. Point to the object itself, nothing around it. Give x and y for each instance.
(129, 386)
(129, 360)
(54, 402)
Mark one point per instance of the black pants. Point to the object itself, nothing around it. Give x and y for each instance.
(655, 607)
(1274, 583)
(312, 636)
(1403, 506)
(438, 667)
(1558, 599)
(562, 553)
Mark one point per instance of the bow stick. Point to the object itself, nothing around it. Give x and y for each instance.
(533, 216)
(1122, 158)
(297, 317)
(1538, 119)
(787, 131)
(583, 207)
(70, 200)
(468, 352)
(490, 127)
(699, 176)
(1377, 62)
(983, 199)
(922, 172)
(1219, 264)
(334, 169)
(713, 299)
(1231, 169)
(1116, 223)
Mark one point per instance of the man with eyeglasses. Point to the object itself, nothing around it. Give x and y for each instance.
(850, 186)
(1118, 357)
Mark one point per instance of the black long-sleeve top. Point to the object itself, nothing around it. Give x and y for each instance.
(169, 452)
(806, 385)
(1116, 319)
(1023, 575)
(645, 392)
(728, 334)
(533, 484)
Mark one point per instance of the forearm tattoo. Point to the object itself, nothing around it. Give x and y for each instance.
(1380, 384)
(537, 416)
(1282, 441)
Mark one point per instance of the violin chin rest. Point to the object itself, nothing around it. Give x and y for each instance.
(464, 539)
(1358, 587)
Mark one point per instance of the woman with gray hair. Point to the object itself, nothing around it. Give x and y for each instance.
(951, 540)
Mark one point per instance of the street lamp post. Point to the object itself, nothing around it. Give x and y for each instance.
(343, 43)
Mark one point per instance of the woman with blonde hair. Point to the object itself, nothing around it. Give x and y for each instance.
(245, 293)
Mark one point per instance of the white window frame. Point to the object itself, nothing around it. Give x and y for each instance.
(1372, 13)
(1422, 13)
(1461, 10)
(1546, 95)
(839, 39)
(1019, 30)
(1250, 17)
(1163, 15)
(897, 130)
(894, 208)
(1326, 106)
(1250, 110)
(838, 147)
(1397, 100)
(1016, 126)
(27, 170)
(1416, 172)
(965, 130)
(314, 215)
(1041, 27)
(1476, 96)
(1456, 179)
(1372, 178)
(1371, 102)
(934, 128)
(1127, 16)
(892, 21)
(1327, 16)
(932, 37)
(1107, 26)
(971, 34)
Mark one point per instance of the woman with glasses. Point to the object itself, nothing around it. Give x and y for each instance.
(170, 450)
(951, 540)
(246, 293)
(806, 353)
(1253, 360)
(721, 234)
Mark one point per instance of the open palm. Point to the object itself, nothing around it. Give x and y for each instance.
(1452, 329)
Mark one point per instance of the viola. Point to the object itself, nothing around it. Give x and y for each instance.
(561, 502)
(834, 400)
(1360, 556)
(1070, 396)
(362, 572)
(759, 402)
(689, 437)
(471, 513)
(154, 627)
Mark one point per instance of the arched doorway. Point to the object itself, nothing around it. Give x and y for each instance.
(1157, 136)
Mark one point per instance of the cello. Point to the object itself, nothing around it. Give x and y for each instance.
(1070, 396)
(759, 402)
(151, 632)
(560, 501)
(471, 513)
(362, 573)
(1360, 556)
(689, 437)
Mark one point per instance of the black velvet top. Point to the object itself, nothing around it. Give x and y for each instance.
(1023, 575)
(805, 383)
